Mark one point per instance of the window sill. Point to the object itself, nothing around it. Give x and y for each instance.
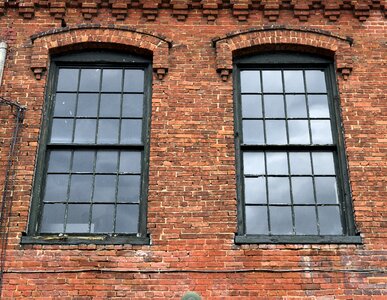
(88, 240)
(292, 239)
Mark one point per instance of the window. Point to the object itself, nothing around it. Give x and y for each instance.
(292, 183)
(92, 170)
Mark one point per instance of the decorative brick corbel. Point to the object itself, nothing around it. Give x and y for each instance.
(120, 10)
(241, 11)
(38, 72)
(150, 10)
(89, 10)
(316, 4)
(160, 72)
(344, 63)
(43, 3)
(196, 4)
(58, 9)
(135, 3)
(301, 10)
(210, 11)
(223, 60)
(362, 11)
(346, 4)
(180, 11)
(332, 11)
(27, 9)
(271, 10)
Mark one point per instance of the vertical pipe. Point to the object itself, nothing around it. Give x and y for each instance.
(3, 53)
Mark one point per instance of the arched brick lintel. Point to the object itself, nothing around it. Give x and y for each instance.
(45, 43)
(285, 38)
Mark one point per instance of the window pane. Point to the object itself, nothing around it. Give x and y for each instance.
(315, 81)
(87, 105)
(102, 218)
(250, 82)
(65, 105)
(85, 131)
(305, 219)
(127, 218)
(80, 188)
(318, 106)
(107, 162)
(326, 190)
(131, 131)
(110, 105)
(277, 163)
(281, 220)
(251, 106)
(83, 161)
(52, 218)
(108, 131)
(256, 220)
(133, 106)
(129, 188)
(323, 163)
(90, 80)
(134, 81)
(300, 163)
(253, 163)
(274, 106)
(111, 80)
(253, 132)
(329, 220)
(130, 162)
(272, 81)
(255, 190)
(298, 132)
(56, 188)
(104, 188)
(321, 131)
(276, 132)
(296, 106)
(59, 161)
(302, 189)
(294, 82)
(67, 80)
(78, 218)
(62, 131)
(279, 190)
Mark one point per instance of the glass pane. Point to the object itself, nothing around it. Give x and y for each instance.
(276, 132)
(65, 105)
(277, 163)
(315, 81)
(300, 163)
(133, 106)
(111, 80)
(62, 131)
(83, 161)
(87, 105)
(67, 80)
(80, 188)
(110, 105)
(326, 190)
(255, 190)
(52, 218)
(59, 161)
(279, 190)
(296, 106)
(318, 106)
(274, 106)
(105, 188)
(78, 218)
(253, 132)
(253, 163)
(56, 188)
(130, 161)
(281, 220)
(329, 220)
(272, 81)
(85, 131)
(298, 132)
(90, 79)
(302, 189)
(134, 81)
(251, 106)
(102, 218)
(305, 219)
(131, 131)
(294, 82)
(256, 220)
(321, 131)
(108, 131)
(129, 188)
(323, 163)
(127, 218)
(107, 162)
(250, 81)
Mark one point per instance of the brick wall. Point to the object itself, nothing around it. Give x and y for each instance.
(192, 215)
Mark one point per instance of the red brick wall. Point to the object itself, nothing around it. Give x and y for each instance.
(192, 185)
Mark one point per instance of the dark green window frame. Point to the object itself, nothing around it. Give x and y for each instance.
(266, 204)
(134, 149)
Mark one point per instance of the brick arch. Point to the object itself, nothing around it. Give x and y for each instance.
(284, 38)
(45, 43)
